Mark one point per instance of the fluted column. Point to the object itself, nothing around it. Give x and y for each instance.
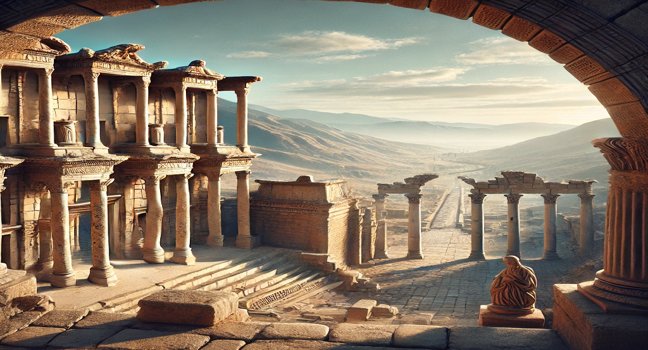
(586, 233)
(215, 238)
(182, 253)
(45, 109)
(152, 251)
(141, 111)
(414, 244)
(101, 272)
(550, 213)
(244, 239)
(477, 226)
(242, 119)
(513, 200)
(93, 126)
(181, 117)
(624, 278)
(212, 117)
(62, 271)
(381, 231)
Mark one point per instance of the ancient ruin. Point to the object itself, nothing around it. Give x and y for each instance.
(514, 184)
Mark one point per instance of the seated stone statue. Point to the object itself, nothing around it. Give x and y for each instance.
(513, 290)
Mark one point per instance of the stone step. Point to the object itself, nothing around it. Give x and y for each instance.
(276, 293)
(302, 273)
(271, 280)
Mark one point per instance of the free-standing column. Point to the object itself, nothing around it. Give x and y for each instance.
(3, 267)
(513, 224)
(182, 253)
(181, 117)
(93, 137)
(381, 232)
(550, 212)
(414, 244)
(244, 239)
(212, 117)
(242, 119)
(586, 234)
(62, 272)
(215, 238)
(45, 121)
(152, 251)
(44, 264)
(477, 225)
(141, 111)
(101, 272)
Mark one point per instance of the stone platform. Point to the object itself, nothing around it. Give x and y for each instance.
(489, 318)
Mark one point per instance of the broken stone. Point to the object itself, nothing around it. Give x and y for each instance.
(187, 307)
(384, 311)
(361, 310)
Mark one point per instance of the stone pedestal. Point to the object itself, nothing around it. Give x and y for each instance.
(414, 244)
(550, 212)
(477, 226)
(488, 318)
(513, 200)
(65, 132)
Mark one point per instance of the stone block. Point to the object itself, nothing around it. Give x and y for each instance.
(187, 307)
(14, 284)
(301, 345)
(490, 17)
(101, 319)
(490, 338)
(421, 318)
(362, 334)
(246, 331)
(384, 310)
(82, 338)
(61, 318)
(137, 339)
(520, 29)
(224, 344)
(361, 310)
(306, 331)
(461, 9)
(489, 318)
(416, 336)
(32, 337)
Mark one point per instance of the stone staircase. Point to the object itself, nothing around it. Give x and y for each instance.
(261, 281)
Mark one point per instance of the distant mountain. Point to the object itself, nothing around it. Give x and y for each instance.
(457, 136)
(565, 155)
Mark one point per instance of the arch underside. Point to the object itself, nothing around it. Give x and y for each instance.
(603, 44)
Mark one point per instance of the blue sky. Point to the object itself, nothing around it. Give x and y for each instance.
(353, 57)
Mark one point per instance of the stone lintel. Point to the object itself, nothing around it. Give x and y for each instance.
(237, 83)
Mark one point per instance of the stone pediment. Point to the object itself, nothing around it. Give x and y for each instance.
(118, 55)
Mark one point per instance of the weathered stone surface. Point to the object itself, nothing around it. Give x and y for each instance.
(82, 338)
(60, 318)
(361, 310)
(307, 331)
(14, 284)
(18, 322)
(246, 331)
(224, 344)
(486, 338)
(101, 319)
(416, 336)
(362, 334)
(421, 318)
(187, 307)
(137, 339)
(32, 337)
(489, 318)
(384, 310)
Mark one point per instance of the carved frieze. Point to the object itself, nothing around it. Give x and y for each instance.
(521, 182)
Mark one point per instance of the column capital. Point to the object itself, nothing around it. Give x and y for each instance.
(186, 176)
(624, 154)
(153, 179)
(550, 198)
(414, 198)
(513, 198)
(211, 92)
(586, 196)
(90, 76)
(242, 91)
(47, 72)
(380, 197)
(60, 186)
(101, 185)
(477, 198)
(143, 81)
(180, 88)
(242, 174)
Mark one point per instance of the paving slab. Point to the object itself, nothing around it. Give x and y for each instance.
(224, 344)
(307, 331)
(32, 337)
(489, 338)
(362, 334)
(138, 339)
(246, 331)
(102, 319)
(311, 345)
(61, 318)
(78, 338)
(417, 336)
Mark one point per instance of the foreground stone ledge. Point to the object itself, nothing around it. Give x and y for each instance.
(78, 338)
(32, 337)
(417, 336)
(102, 319)
(224, 344)
(246, 331)
(306, 331)
(137, 339)
(489, 338)
(60, 318)
(187, 307)
(362, 334)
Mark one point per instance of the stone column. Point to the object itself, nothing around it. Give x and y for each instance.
(45, 109)
(242, 119)
(181, 117)
(550, 213)
(477, 226)
(624, 278)
(381, 231)
(586, 233)
(141, 111)
(212, 117)
(44, 264)
(152, 251)
(414, 244)
(62, 272)
(182, 253)
(244, 238)
(93, 126)
(513, 224)
(215, 238)
(3, 266)
(101, 272)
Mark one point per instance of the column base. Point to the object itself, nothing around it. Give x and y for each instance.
(476, 256)
(215, 241)
(414, 255)
(62, 281)
(104, 277)
(44, 274)
(550, 256)
(247, 242)
(614, 298)
(153, 256)
(183, 257)
(3, 268)
(381, 255)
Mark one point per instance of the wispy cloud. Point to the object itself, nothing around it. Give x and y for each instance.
(249, 54)
(501, 50)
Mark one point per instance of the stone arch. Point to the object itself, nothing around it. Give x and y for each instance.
(602, 44)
